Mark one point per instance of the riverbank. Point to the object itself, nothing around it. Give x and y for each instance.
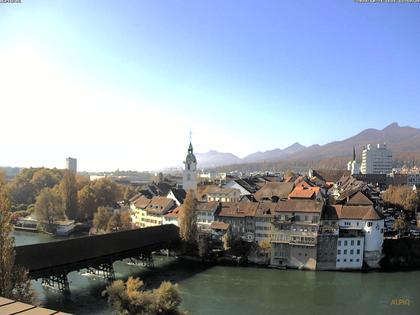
(208, 289)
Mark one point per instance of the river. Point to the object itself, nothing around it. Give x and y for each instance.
(226, 290)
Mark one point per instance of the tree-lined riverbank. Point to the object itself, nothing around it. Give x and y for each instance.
(248, 290)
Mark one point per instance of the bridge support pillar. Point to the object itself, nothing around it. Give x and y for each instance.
(144, 259)
(57, 282)
(105, 271)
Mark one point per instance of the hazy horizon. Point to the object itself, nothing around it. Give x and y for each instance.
(119, 85)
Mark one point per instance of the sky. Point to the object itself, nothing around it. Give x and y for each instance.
(119, 84)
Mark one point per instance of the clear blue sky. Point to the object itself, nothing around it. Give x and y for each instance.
(118, 84)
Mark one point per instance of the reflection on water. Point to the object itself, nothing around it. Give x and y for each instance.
(241, 290)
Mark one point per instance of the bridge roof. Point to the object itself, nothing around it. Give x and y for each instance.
(38, 257)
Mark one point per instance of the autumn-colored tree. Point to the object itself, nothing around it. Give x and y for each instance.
(119, 221)
(87, 202)
(400, 225)
(265, 246)
(129, 298)
(107, 192)
(402, 197)
(45, 178)
(227, 240)
(129, 192)
(49, 206)
(68, 190)
(82, 181)
(14, 281)
(188, 219)
(101, 219)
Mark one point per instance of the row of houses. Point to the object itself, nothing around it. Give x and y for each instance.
(304, 227)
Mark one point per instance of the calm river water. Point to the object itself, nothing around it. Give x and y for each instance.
(248, 290)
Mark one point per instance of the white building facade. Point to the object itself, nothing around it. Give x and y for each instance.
(360, 240)
(376, 160)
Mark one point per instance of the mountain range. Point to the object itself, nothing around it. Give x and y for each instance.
(398, 139)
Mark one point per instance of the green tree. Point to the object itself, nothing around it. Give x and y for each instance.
(187, 219)
(14, 281)
(68, 190)
(129, 298)
(101, 219)
(49, 206)
(119, 222)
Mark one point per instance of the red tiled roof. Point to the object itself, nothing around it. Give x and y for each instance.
(300, 205)
(210, 206)
(304, 192)
(174, 213)
(274, 189)
(216, 225)
(359, 199)
(158, 204)
(141, 202)
(266, 209)
(357, 212)
(238, 209)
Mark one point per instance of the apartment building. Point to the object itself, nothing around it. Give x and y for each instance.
(263, 217)
(150, 212)
(376, 160)
(241, 218)
(294, 233)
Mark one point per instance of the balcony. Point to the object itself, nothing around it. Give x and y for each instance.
(351, 233)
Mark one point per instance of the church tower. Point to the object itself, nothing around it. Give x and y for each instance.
(189, 175)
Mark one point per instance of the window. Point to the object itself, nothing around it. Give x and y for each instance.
(357, 259)
(345, 252)
(351, 252)
(345, 260)
(345, 243)
(358, 243)
(352, 243)
(351, 260)
(339, 252)
(369, 224)
(339, 243)
(358, 252)
(306, 218)
(338, 260)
